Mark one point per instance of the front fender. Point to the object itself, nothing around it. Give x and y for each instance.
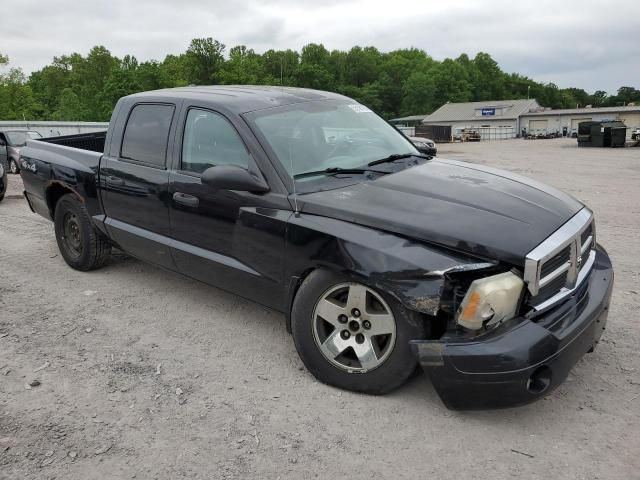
(412, 272)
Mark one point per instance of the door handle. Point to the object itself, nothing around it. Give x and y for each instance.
(186, 200)
(115, 182)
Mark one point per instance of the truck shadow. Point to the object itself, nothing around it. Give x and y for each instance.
(260, 321)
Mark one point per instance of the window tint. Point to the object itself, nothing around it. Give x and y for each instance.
(210, 140)
(145, 138)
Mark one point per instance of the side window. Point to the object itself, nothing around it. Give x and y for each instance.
(145, 136)
(210, 140)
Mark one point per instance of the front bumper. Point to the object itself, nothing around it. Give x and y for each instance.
(525, 359)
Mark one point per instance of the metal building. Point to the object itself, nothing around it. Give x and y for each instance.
(493, 120)
(565, 122)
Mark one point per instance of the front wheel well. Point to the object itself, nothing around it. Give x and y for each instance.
(435, 325)
(294, 285)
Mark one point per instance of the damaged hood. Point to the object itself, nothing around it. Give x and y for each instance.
(471, 208)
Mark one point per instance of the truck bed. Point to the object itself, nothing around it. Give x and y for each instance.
(93, 141)
(72, 160)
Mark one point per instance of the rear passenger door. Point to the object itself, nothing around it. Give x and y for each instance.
(134, 181)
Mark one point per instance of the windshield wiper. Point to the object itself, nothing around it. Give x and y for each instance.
(335, 171)
(397, 156)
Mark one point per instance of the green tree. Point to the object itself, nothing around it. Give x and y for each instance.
(279, 67)
(175, 71)
(361, 65)
(599, 98)
(205, 57)
(149, 76)
(69, 108)
(625, 96)
(243, 67)
(486, 78)
(16, 97)
(396, 83)
(311, 75)
(315, 54)
(47, 86)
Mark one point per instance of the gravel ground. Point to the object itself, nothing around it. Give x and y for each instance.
(144, 374)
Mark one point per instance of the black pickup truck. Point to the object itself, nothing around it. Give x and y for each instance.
(309, 203)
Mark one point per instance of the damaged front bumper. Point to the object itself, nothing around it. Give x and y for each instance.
(524, 359)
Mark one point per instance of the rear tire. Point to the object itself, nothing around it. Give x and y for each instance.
(82, 246)
(380, 325)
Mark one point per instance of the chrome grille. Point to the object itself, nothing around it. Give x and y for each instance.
(551, 289)
(587, 243)
(555, 262)
(555, 267)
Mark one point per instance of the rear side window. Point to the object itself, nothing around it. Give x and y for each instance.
(145, 137)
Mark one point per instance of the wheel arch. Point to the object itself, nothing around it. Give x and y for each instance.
(292, 290)
(411, 272)
(54, 192)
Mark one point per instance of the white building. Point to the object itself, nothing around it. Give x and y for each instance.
(494, 120)
(559, 120)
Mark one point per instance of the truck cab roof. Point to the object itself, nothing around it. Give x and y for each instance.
(241, 99)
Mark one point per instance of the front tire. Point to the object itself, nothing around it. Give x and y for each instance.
(352, 336)
(13, 167)
(82, 246)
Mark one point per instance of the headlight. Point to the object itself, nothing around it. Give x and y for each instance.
(490, 300)
(420, 144)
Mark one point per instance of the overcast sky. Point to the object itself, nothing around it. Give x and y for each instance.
(587, 44)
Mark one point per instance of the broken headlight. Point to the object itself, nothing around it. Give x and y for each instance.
(490, 300)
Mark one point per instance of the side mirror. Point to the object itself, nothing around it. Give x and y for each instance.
(232, 177)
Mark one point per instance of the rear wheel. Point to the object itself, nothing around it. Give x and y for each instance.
(13, 167)
(80, 243)
(352, 336)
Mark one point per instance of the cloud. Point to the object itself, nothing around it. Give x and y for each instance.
(573, 43)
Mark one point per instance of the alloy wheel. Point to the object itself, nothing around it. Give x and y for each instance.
(354, 327)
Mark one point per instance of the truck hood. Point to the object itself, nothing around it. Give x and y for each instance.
(471, 208)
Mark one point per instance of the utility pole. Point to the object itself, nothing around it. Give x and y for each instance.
(528, 88)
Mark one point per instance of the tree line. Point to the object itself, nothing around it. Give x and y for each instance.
(397, 83)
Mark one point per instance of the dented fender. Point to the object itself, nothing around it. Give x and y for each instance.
(412, 272)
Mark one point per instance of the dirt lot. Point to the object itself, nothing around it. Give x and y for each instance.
(145, 374)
